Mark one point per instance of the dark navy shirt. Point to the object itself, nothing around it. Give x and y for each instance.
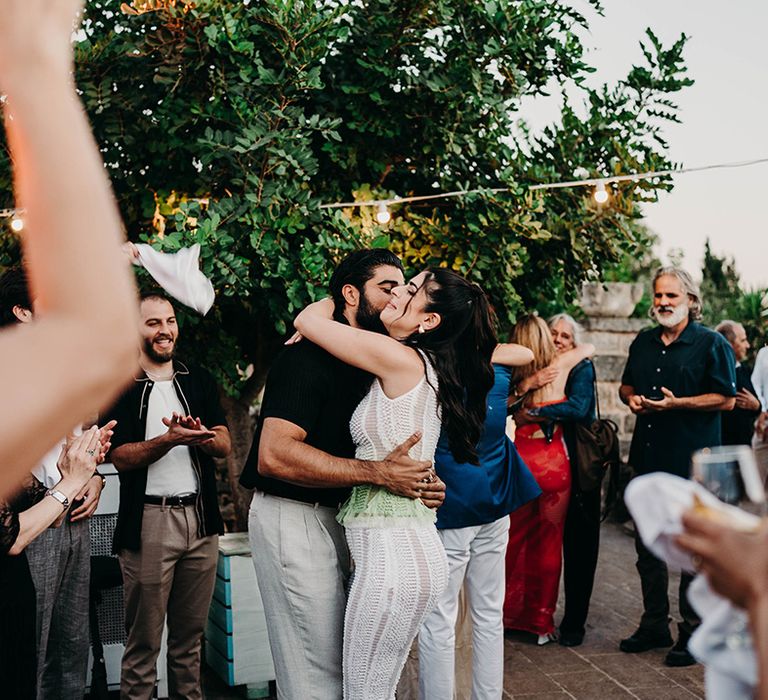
(699, 362)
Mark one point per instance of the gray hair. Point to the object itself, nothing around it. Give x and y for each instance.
(728, 329)
(689, 287)
(570, 320)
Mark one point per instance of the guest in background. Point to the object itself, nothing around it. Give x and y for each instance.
(678, 377)
(581, 535)
(738, 425)
(534, 554)
(170, 426)
(24, 517)
(760, 377)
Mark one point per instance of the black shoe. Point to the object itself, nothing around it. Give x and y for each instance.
(679, 656)
(643, 640)
(571, 639)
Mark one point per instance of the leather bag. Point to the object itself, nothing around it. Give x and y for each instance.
(597, 448)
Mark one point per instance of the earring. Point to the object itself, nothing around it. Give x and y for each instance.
(421, 328)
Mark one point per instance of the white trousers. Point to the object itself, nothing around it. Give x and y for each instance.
(302, 564)
(399, 576)
(476, 553)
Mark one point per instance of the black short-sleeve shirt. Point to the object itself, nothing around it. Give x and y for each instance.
(699, 362)
(312, 389)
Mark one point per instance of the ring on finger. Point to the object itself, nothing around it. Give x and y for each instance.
(91, 452)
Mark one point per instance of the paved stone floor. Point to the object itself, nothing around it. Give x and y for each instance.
(597, 670)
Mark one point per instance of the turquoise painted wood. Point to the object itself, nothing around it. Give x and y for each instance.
(222, 666)
(222, 591)
(221, 615)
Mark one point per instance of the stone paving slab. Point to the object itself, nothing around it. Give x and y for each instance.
(596, 670)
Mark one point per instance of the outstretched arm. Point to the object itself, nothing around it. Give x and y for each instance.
(569, 359)
(511, 355)
(284, 455)
(399, 367)
(81, 349)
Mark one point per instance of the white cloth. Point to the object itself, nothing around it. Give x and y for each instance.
(760, 377)
(179, 274)
(477, 553)
(172, 474)
(722, 642)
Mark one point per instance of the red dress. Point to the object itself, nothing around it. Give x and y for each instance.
(535, 550)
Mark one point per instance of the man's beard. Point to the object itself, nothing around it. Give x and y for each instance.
(368, 318)
(679, 314)
(158, 357)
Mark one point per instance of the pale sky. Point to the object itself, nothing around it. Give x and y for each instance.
(723, 119)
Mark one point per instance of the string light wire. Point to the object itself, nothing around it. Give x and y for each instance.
(593, 182)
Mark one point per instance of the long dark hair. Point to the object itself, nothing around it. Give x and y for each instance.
(460, 350)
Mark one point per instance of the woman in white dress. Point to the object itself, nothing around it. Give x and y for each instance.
(440, 340)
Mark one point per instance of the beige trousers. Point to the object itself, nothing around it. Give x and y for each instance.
(172, 574)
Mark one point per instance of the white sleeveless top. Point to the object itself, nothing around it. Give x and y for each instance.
(378, 425)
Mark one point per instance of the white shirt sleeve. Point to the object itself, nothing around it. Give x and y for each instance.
(760, 377)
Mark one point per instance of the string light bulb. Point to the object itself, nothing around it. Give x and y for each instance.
(382, 214)
(600, 194)
(17, 225)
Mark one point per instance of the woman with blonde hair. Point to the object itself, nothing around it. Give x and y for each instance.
(534, 553)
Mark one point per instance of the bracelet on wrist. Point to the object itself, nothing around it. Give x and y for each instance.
(58, 496)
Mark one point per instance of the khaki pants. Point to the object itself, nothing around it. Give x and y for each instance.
(173, 573)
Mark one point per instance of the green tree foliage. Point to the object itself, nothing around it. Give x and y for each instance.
(725, 298)
(228, 123)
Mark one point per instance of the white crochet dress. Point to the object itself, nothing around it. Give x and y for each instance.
(400, 564)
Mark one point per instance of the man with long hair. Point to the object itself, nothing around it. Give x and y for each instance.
(679, 376)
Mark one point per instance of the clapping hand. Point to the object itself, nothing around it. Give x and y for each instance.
(185, 430)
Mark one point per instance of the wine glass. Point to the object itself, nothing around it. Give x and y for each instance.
(731, 473)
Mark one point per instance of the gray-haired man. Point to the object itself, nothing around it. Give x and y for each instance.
(679, 376)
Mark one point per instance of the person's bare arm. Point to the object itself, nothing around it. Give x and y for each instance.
(220, 445)
(398, 366)
(81, 348)
(569, 359)
(76, 467)
(702, 402)
(284, 455)
(512, 355)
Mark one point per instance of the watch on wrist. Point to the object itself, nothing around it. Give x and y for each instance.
(59, 496)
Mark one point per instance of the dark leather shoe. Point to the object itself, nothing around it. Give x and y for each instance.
(644, 640)
(679, 656)
(570, 639)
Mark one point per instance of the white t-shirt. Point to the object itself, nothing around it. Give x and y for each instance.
(172, 474)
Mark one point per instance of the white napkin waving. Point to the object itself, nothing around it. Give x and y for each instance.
(179, 274)
(722, 642)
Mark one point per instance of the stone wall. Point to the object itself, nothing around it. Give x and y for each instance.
(612, 338)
